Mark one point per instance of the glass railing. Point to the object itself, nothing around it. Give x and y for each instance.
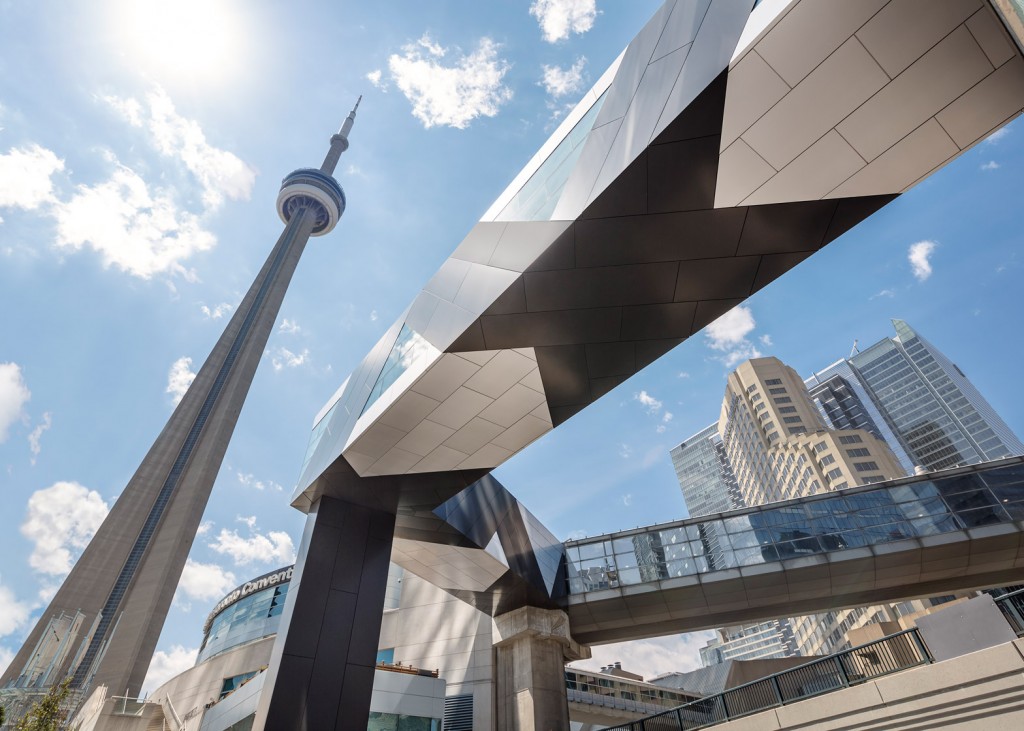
(913, 507)
(857, 665)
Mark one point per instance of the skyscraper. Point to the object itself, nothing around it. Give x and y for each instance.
(936, 413)
(773, 442)
(103, 624)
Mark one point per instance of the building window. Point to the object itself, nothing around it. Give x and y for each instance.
(783, 400)
(820, 447)
(759, 407)
(773, 382)
(232, 684)
(827, 459)
(756, 397)
(839, 486)
(787, 409)
(797, 430)
(850, 439)
(750, 389)
(792, 419)
(859, 452)
(834, 474)
(776, 391)
(865, 466)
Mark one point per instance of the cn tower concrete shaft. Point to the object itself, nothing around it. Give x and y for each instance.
(121, 588)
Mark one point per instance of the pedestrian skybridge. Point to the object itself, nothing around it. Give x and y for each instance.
(917, 536)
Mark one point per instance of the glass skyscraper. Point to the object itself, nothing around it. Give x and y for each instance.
(939, 418)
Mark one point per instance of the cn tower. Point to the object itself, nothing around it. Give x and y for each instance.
(102, 626)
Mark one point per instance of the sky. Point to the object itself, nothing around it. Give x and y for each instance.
(141, 149)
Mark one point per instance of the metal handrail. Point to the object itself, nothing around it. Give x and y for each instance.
(1011, 605)
(890, 654)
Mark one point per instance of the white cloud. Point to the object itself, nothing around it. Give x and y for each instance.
(883, 293)
(729, 334)
(627, 499)
(559, 18)
(731, 329)
(218, 311)
(205, 527)
(678, 653)
(249, 480)
(6, 657)
(205, 581)
(666, 419)
(919, 256)
(37, 434)
(14, 394)
(140, 232)
(275, 546)
(289, 327)
(766, 340)
(558, 82)
(179, 378)
(284, 357)
(220, 174)
(166, 665)
(13, 615)
(990, 165)
(625, 451)
(26, 177)
(60, 521)
(373, 315)
(683, 374)
(455, 94)
(997, 135)
(650, 403)
(374, 77)
(249, 520)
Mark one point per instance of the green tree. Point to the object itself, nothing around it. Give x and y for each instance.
(3, 715)
(50, 713)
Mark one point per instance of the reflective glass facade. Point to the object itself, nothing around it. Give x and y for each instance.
(537, 199)
(409, 348)
(704, 474)
(818, 524)
(251, 618)
(937, 414)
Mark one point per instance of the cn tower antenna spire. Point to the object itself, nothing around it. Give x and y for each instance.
(339, 142)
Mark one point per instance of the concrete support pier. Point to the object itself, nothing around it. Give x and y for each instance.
(321, 670)
(531, 648)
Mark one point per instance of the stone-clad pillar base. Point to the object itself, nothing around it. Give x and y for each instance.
(532, 646)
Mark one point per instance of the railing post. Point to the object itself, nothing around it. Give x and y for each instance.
(926, 657)
(679, 719)
(778, 690)
(842, 670)
(725, 707)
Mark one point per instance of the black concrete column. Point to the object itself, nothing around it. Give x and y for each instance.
(321, 670)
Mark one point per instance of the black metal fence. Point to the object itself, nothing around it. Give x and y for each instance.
(1012, 607)
(850, 667)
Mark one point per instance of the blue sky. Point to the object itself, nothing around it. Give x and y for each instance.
(141, 149)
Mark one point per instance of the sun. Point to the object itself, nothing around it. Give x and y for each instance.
(196, 41)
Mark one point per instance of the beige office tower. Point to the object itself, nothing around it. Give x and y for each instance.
(778, 444)
(779, 448)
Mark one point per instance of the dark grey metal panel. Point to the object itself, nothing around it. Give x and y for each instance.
(694, 190)
(658, 237)
(706, 278)
(786, 227)
(647, 322)
(540, 329)
(630, 284)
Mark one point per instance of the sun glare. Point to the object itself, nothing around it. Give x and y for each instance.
(185, 40)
